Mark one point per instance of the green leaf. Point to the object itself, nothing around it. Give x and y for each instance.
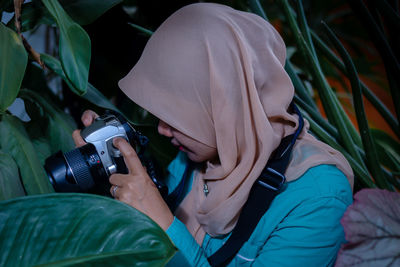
(145, 31)
(375, 101)
(12, 66)
(87, 11)
(79, 230)
(82, 12)
(10, 184)
(388, 149)
(305, 30)
(162, 150)
(256, 7)
(334, 111)
(55, 65)
(74, 47)
(43, 149)
(15, 141)
(32, 15)
(368, 143)
(95, 97)
(60, 125)
(320, 133)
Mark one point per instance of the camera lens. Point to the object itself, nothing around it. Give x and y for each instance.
(74, 171)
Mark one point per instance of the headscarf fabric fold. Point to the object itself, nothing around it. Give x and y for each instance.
(217, 75)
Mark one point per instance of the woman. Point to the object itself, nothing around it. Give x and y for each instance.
(215, 78)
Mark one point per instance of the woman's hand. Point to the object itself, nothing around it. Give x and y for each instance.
(137, 189)
(87, 118)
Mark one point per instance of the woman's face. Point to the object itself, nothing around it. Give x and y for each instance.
(196, 151)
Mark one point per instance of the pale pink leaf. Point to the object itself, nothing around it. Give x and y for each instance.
(372, 228)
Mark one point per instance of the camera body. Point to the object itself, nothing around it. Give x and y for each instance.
(87, 168)
(101, 134)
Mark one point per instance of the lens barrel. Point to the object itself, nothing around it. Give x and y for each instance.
(74, 171)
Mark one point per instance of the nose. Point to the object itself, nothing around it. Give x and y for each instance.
(164, 129)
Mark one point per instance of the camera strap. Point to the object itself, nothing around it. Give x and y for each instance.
(264, 190)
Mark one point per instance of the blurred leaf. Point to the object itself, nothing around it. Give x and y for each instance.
(55, 65)
(383, 110)
(12, 67)
(82, 12)
(87, 11)
(35, 80)
(256, 8)
(60, 125)
(74, 47)
(79, 230)
(95, 97)
(361, 174)
(305, 30)
(92, 95)
(381, 43)
(372, 228)
(15, 141)
(10, 184)
(388, 149)
(368, 143)
(33, 14)
(6, 4)
(141, 29)
(43, 149)
(301, 90)
(334, 111)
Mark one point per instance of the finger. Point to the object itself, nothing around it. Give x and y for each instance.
(88, 117)
(131, 159)
(117, 179)
(78, 140)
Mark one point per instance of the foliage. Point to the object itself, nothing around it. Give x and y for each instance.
(75, 229)
(102, 40)
(359, 147)
(372, 227)
(88, 231)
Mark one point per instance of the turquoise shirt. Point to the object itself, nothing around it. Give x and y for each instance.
(301, 227)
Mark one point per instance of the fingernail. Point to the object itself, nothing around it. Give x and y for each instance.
(116, 140)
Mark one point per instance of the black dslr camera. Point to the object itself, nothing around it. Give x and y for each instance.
(87, 169)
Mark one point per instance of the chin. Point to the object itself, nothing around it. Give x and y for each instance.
(195, 158)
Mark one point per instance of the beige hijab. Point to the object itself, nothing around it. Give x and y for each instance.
(217, 74)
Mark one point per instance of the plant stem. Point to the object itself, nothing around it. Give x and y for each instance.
(301, 91)
(390, 61)
(372, 98)
(256, 8)
(305, 30)
(333, 109)
(359, 171)
(368, 143)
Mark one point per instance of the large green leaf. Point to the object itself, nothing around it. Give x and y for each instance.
(10, 184)
(79, 230)
(15, 141)
(74, 47)
(12, 66)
